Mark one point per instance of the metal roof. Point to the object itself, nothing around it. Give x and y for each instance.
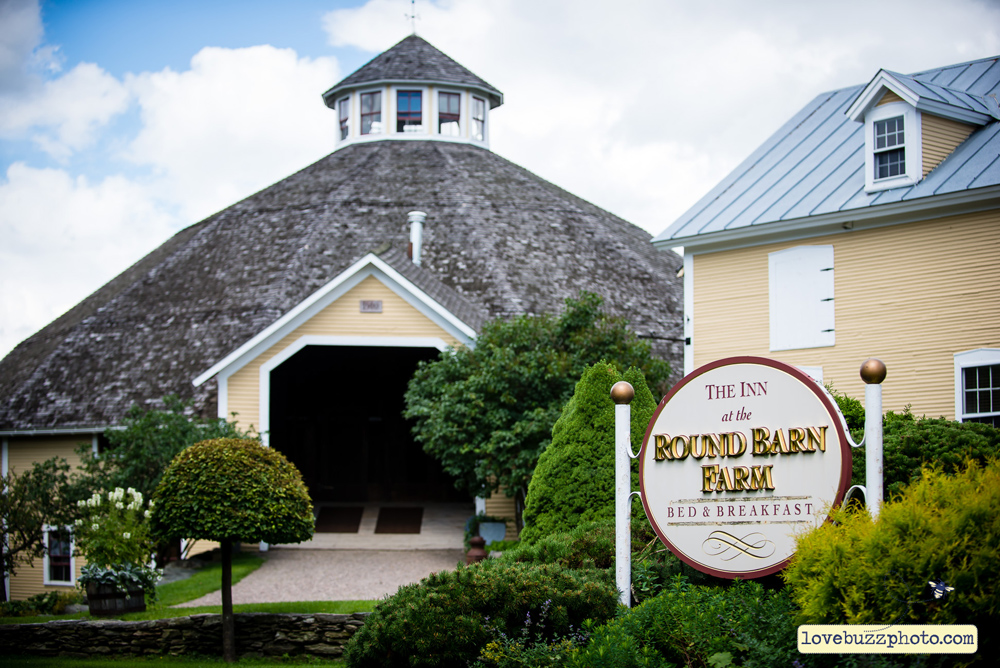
(814, 164)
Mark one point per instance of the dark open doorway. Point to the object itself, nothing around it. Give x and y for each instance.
(336, 413)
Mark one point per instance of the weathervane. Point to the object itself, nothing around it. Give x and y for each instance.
(413, 15)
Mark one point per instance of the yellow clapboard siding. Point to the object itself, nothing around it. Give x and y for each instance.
(501, 505)
(940, 136)
(911, 295)
(889, 98)
(22, 453)
(341, 318)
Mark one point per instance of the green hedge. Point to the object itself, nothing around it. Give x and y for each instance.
(941, 528)
(443, 620)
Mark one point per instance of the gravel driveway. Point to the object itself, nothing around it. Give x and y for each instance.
(333, 575)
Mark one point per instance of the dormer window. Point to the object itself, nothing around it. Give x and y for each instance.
(890, 154)
(343, 110)
(892, 146)
(478, 119)
(371, 113)
(408, 111)
(449, 116)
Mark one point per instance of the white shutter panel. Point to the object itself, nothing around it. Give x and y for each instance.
(801, 297)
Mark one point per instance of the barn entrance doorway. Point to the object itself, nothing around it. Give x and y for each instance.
(336, 413)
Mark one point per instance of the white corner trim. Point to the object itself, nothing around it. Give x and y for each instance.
(873, 92)
(688, 311)
(370, 265)
(977, 357)
(45, 558)
(264, 380)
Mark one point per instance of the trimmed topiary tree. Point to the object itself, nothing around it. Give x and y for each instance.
(232, 490)
(574, 481)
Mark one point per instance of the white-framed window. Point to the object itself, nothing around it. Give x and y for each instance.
(893, 150)
(977, 386)
(371, 113)
(800, 298)
(449, 114)
(58, 563)
(478, 119)
(344, 113)
(409, 111)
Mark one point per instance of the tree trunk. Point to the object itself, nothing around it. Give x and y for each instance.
(228, 625)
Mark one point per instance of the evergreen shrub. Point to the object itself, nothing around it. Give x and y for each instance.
(910, 443)
(741, 625)
(574, 481)
(444, 620)
(941, 528)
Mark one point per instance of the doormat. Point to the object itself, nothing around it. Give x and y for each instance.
(339, 520)
(399, 520)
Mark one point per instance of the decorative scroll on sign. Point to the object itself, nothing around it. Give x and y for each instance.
(742, 454)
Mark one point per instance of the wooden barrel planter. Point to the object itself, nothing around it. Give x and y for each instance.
(107, 601)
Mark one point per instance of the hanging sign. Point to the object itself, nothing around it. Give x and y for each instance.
(743, 454)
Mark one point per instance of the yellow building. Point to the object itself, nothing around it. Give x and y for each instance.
(867, 226)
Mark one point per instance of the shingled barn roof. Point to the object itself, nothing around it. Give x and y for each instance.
(413, 60)
(498, 241)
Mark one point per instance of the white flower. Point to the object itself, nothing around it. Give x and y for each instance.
(95, 526)
(148, 514)
(78, 523)
(120, 505)
(126, 535)
(81, 503)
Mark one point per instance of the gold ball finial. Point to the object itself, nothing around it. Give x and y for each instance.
(622, 392)
(873, 371)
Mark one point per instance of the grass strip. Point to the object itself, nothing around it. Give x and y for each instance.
(206, 580)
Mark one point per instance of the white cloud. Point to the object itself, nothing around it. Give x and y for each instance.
(63, 238)
(237, 121)
(65, 114)
(670, 95)
(20, 33)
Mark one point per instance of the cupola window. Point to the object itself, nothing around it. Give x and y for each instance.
(890, 154)
(449, 106)
(478, 119)
(408, 111)
(371, 113)
(343, 110)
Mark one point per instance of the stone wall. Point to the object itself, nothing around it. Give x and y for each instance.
(257, 634)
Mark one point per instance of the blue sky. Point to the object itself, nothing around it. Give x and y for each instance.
(123, 122)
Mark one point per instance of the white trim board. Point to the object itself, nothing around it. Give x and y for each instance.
(370, 265)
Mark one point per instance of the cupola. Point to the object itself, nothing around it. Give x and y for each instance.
(413, 91)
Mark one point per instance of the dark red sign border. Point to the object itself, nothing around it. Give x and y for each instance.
(831, 409)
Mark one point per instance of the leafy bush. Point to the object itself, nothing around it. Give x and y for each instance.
(486, 413)
(743, 624)
(941, 528)
(442, 621)
(574, 481)
(48, 603)
(114, 530)
(532, 645)
(909, 444)
(588, 546)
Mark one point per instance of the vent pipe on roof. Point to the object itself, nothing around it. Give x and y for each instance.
(416, 219)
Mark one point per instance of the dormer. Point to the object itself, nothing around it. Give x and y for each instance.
(911, 126)
(413, 91)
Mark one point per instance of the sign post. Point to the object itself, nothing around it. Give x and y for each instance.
(622, 394)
